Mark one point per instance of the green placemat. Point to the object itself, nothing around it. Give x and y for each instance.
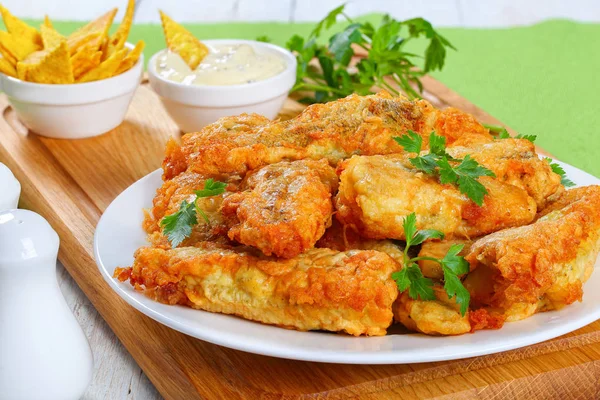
(540, 80)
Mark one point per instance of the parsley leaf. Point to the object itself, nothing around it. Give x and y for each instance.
(454, 287)
(499, 131)
(178, 225)
(426, 163)
(557, 169)
(425, 234)
(462, 173)
(411, 278)
(409, 225)
(502, 133)
(455, 263)
(531, 138)
(437, 144)
(414, 237)
(411, 142)
(211, 188)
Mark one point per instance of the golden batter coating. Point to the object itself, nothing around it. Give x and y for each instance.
(541, 266)
(321, 289)
(283, 208)
(377, 192)
(335, 131)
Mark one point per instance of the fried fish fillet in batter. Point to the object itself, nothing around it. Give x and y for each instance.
(167, 201)
(442, 315)
(432, 317)
(282, 208)
(321, 289)
(542, 266)
(516, 162)
(377, 192)
(335, 131)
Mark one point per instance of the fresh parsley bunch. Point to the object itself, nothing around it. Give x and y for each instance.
(463, 173)
(411, 278)
(178, 225)
(387, 65)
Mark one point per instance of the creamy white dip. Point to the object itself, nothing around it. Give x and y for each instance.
(224, 65)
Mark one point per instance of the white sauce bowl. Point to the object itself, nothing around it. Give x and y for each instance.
(73, 111)
(192, 107)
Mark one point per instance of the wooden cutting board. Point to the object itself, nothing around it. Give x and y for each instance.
(72, 182)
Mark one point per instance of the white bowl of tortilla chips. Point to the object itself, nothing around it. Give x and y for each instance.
(74, 86)
(73, 111)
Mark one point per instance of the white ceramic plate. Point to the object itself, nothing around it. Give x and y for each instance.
(119, 234)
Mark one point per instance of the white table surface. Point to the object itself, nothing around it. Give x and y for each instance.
(116, 374)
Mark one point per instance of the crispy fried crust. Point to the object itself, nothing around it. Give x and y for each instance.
(541, 266)
(321, 289)
(283, 208)
(377, 192)
(335, 131)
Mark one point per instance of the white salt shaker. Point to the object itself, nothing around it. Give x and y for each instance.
(43, 352)
(10, 189)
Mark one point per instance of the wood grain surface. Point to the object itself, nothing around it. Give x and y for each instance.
(71, 182)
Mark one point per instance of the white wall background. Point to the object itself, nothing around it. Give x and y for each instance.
(468, 13)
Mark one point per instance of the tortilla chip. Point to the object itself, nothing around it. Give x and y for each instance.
(85, 59)
(104, 48)
(50, 38)
(118, 39)
(47, 22)
(131, 58)
(14, 48)
(7, 55)
(47, 66)
(182, 42)
(20, 30)
(7, 68)
(92, 39)
(92, 33)
(106, 69)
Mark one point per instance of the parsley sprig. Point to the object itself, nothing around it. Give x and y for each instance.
(411, 278)
(178, 225)
(463, 173)
(387, 59)
(500, 132)
(557, 169)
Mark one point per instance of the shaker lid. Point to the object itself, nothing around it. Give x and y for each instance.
(25, 236)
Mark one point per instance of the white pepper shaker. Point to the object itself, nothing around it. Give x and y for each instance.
(10, 189)
(43, 351)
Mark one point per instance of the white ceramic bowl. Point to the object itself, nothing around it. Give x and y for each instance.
(194, 106)
(73, 111)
